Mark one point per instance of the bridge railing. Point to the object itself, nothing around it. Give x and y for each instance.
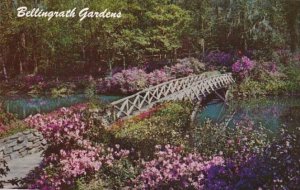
(203, 87)
(165, 91)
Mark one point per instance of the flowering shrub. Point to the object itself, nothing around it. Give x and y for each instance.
(243, 66)
(211, 139)
(282, 160)
(180, 70)
(33, 79)
(62, 126)
(61, 170)
(216, 156)
(157, 77)
(193, 64)
(219, 58)
(131, 80)
(135, 79)
(172, 169)
(70, 154)
(275, 167)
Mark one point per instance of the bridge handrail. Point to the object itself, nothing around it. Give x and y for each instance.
(162, 84)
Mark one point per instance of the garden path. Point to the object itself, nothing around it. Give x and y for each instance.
(19, 168)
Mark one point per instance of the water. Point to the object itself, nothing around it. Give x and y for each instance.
(269, 112)
(25, 106)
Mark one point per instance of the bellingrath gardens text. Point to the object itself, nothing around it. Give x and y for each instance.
(83, 13)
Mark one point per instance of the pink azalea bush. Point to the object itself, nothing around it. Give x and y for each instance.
(157, 77)
(135, 79)
(61, 170)
(180, 70)
(70, 154)
(173, 169)
(131, 80)
(63, 126)
(243, 66)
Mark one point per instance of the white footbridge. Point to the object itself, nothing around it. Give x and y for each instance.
(192, 88)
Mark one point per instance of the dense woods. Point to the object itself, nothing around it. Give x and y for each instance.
(147, 31)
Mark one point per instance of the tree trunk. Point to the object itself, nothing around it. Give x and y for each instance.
(21, 67)
(35, 64)
(124, 62)
(22, 53)
(110, 67)
(3, 68)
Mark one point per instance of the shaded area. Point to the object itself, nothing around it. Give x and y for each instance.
(19, 168)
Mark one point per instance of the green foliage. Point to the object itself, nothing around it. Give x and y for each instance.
(90, 90)
(65, 46)
(166, 126)
(261, 82)
(35, 90)
(94, 184)
(62, 90)
(114, 177)
(16, 127)
(213, 139)
(237, 23)
(97, 131)
(6, 118)
(120, 174)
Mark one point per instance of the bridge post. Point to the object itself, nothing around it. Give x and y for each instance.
(195, 110)
(225, 95)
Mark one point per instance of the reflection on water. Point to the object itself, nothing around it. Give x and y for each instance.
(23, 107)
(270, 112)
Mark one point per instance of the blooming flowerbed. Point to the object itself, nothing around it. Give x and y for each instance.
(70, 154)
(135, 79)
(159, 150)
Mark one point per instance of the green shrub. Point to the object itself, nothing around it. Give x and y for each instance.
(284, 80)
(13, 128)
(214, 139)
(114, 177)
(62, 90)
(166, 126)
(9, 125)
(93, 184)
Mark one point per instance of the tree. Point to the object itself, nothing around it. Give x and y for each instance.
(292, 17)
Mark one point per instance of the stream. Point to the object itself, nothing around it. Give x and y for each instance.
(270, 112)
(24, 106)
